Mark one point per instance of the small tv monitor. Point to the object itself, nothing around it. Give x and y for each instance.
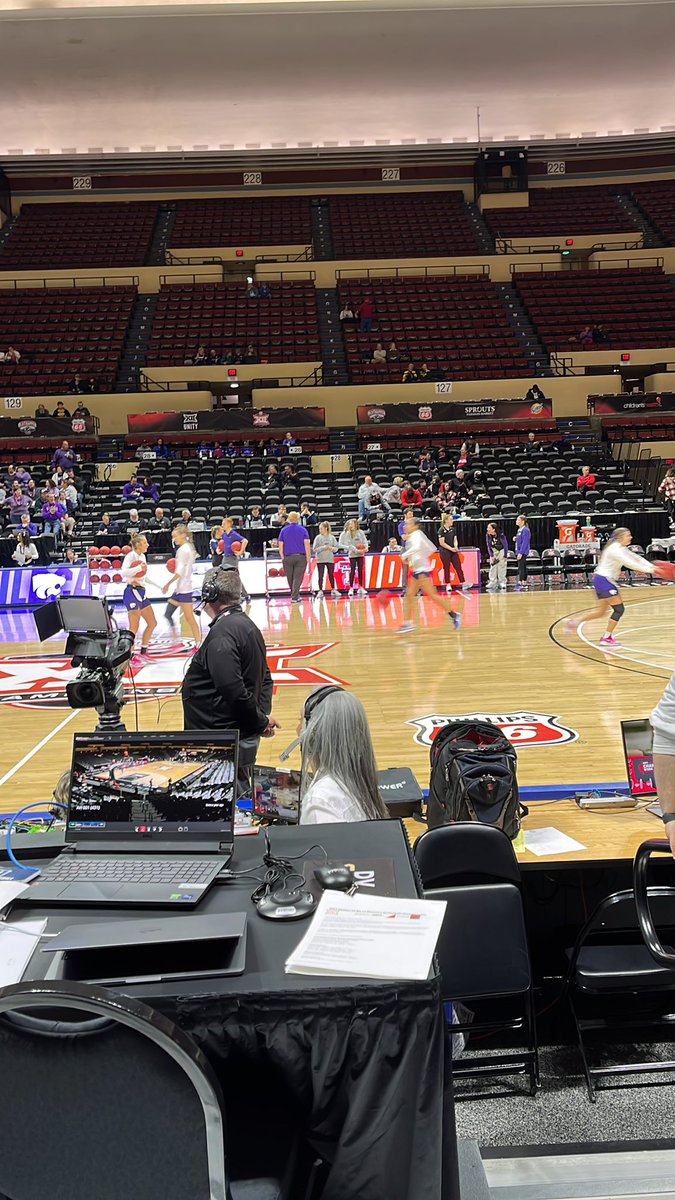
(276, 794)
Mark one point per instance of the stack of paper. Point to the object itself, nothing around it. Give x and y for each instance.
(17, 945)
(371, 936)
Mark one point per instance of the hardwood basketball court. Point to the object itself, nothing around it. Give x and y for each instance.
(561, 696)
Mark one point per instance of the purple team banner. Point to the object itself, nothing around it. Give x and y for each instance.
(27, 586)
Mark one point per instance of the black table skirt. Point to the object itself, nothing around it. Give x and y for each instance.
(643, 525)
(44, 544)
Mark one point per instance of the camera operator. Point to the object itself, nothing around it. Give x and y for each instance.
(228, 684)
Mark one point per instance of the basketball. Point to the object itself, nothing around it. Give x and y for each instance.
(126, 549)
(236, 547)
(171, 565)
(665, 570)
(221, 546)
(93, 551)
(139, 568)
(383, 596)
(105, 550)
(116, 550)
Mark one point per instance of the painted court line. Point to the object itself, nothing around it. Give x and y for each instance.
(27, 757)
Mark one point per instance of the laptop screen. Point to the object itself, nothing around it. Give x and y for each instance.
(156, 785)
(637, 748)
(276, 794)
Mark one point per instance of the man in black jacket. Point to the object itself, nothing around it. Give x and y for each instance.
(228, 684)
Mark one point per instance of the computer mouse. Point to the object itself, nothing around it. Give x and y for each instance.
(338, 879)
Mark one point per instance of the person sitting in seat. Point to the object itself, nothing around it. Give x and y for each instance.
(392, 547)
(346, 312)
(534, 395)
(411, 497)
(339, 772)
(585, 337)
(61, 411)
(393, 493)
(410, 374)
(586, 480)
(133, 489)
(379, 358)
(369, 497)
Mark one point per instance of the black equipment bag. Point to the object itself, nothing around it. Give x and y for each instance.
(473, 777)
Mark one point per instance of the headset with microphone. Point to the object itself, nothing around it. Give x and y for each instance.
(211, 590)
(311, 704)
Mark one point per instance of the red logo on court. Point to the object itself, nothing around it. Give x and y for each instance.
(521, 728)
(39, 681)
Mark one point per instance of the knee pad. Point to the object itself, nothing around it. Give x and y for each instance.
(617, 611)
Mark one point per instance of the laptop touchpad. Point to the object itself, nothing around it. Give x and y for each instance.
(91, 892)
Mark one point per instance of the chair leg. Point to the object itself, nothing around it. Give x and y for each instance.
(532, 1042)
(590, 1086)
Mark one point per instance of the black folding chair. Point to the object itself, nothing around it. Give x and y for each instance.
(130, 1106)
(483, 949)
(621, 977)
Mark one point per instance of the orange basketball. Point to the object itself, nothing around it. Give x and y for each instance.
(139, 568)
(221, 546)
(236, 547)
(171, 565)
(665, 570)
(383, 596)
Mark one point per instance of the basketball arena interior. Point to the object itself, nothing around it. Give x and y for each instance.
(398, 281)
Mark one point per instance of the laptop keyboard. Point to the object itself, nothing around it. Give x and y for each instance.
(117, 870)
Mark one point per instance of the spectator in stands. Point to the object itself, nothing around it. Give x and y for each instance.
(309, 518)
(61, 411)
(246, 449)
(218, 451)
(92, 386)
(288, 473)
(26, 526)
(479, 484)
(393, 353)
(70, 494)
(273, 449)
(271, 480)
(161, 449)
(393, 493)
(281, 515)
(77, 386)
(370, 497)
(523, 542)
(339, 771)
(426, 463)
(532, 443)
(81, 410)
(72, 558)
(200, 357)
(133, 489)
(265, 291)
(26, 551)
(586, 480)
(237, 356)
(423, 372)
(251, 354)
(231, 450)
(254, 519)
(295, 549)
(410, 374)
(134, 522)
(108, 528)
(534, 395)
(667, 486)
(461, 486)
(366, 315)
(392, 547)
(355, 542)
(68, 523)
(53, 515)
(497, 548)
(585, 337)
(149, 490)
(41, 411)
(411, 497)
(204, 450)
(379, 358)
(442, 456)
(251, 290)
(288, 441)
(159, 522)
(346, 313)
(17, 503)
(407, 514)
(600, 336)
(13, 356)
(468, 450)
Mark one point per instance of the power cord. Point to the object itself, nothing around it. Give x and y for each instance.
(12, 823)
(280, 870)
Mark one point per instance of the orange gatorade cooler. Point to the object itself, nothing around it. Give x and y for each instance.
(567, 532)
(588, 533)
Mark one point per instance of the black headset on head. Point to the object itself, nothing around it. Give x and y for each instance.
(311, 704)
(211, 592)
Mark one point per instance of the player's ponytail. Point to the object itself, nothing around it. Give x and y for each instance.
(184, 532)
(136, 539)
(618, 532)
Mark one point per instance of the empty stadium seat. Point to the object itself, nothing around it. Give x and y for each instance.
(249, 221)
(560, 211)
(401, 225)
(52, 236)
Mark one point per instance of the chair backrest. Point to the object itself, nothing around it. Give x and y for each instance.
(466, 852)
(615, 919)
(482, 949)
(645, 896)
(128, 1105)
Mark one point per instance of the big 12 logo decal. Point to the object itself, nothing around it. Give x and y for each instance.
(521, 728)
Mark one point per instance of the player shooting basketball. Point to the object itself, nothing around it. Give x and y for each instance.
(613, 559)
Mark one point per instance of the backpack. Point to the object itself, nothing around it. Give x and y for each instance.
(473, 777)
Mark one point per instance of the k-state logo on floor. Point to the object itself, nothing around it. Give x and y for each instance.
(521, 728)
(39, 681)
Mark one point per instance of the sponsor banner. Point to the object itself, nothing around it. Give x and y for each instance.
(39, 681)
(626, 405)
(521, 728)
(46, 427)
(475, 410)
(221, 421)
(24, 586)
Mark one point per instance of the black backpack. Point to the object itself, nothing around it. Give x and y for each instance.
(473, 777)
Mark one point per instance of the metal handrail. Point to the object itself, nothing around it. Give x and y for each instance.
(73, 281)
(473, 269)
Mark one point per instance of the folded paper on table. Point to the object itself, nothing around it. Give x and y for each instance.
(550, 841)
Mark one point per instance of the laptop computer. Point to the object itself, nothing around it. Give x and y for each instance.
(276, 794)
(637, 748)
(150, 820)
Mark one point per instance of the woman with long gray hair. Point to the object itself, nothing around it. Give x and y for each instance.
(339, 773)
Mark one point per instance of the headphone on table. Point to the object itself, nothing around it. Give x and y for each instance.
(311, 704)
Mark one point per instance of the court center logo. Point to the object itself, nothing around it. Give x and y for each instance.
(39, 681)
(521, 728)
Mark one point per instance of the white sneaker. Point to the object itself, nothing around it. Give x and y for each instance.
(407, 627)
(466, 586)
(319, 594)
(362, 592)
